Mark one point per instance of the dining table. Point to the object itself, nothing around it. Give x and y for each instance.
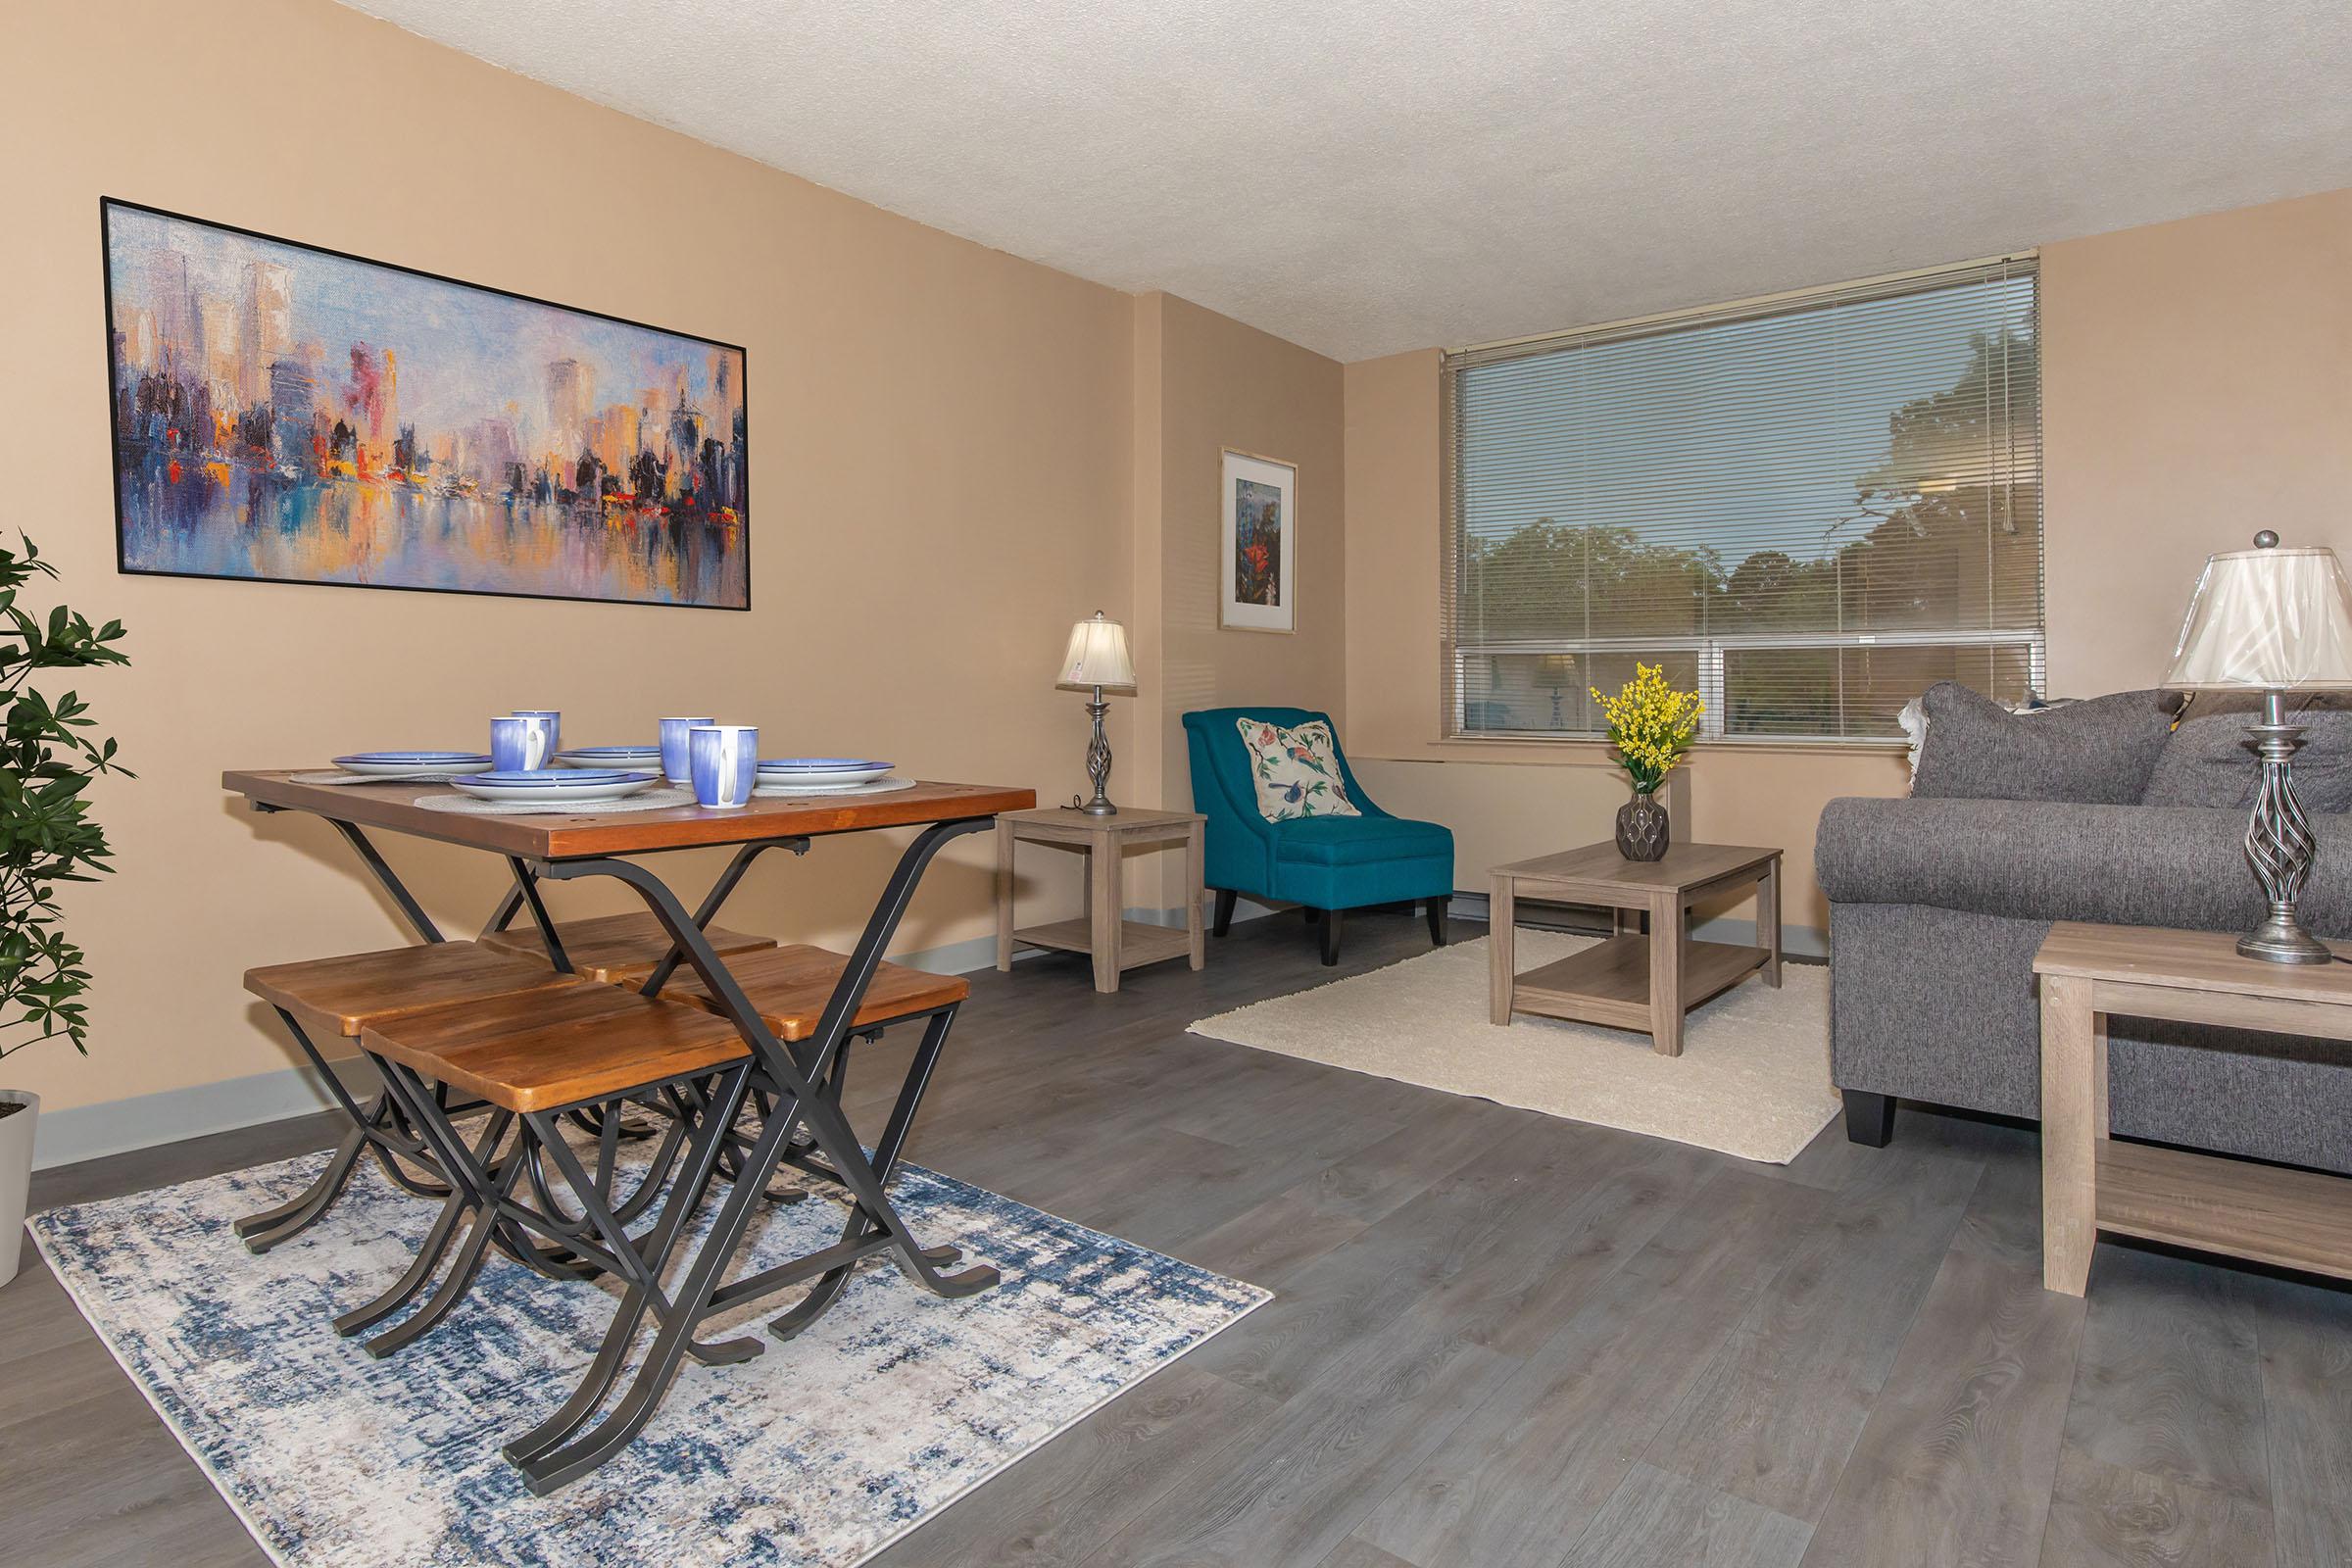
(794, 1123)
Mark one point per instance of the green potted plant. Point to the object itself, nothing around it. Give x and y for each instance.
(47, 760)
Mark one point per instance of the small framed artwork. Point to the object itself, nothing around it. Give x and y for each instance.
(1260, 499)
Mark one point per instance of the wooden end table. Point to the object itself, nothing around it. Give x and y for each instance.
(1115, 943)
(1635, 981)
(2272, 1214)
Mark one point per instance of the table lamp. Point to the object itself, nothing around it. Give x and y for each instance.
(2271, 620)
(1098, 658)
(1558, 672)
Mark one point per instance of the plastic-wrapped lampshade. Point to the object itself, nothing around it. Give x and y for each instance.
(2275, 619)
(1098, 657)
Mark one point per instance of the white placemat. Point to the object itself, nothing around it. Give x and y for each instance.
(812, 791)
(654, 800)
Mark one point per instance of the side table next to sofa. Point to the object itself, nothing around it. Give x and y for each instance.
(2092, 1182)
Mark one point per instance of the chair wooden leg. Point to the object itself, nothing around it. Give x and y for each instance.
(1437, 921)
(1227, 897)
(1330, 937)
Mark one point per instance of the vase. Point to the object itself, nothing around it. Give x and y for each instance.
(1641, 829)
(16, 1174)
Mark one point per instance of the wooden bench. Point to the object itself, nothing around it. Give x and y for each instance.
(791, 984)
(615, 948)
(579, 1042)
(344, 995)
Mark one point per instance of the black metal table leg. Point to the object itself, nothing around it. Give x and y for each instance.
(798, 1075)
(712, 901)
(264, 1231)
(371, 1129)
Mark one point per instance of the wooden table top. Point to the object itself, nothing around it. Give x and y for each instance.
(1599, 865)
(1128, 819)
(2200, 961)
(551, 837)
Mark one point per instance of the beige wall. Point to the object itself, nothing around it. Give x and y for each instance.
(1225, 385)
(2197, 381)
(941, 440)
(1205, 383)
(2197, 385)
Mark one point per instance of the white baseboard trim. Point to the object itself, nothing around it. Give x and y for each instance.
(142, 1121)
(120, 1126)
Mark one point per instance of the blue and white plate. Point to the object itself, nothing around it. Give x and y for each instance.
(819, 771)
(624, 757)
(392, 764)
(553, 784)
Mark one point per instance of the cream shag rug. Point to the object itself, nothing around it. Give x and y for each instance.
(1753, 1079)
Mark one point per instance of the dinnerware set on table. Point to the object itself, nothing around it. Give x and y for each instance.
(527, 767)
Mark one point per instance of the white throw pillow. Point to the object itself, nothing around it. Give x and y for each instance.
(1297, 771)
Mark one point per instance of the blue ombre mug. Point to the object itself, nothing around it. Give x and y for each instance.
(523, 742)
(726, 762)
(555, 725)
(677, 763)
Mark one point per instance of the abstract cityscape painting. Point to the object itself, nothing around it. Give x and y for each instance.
(286, 414)
(1261, 543)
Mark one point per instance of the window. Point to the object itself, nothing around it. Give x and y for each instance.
(1811, 509)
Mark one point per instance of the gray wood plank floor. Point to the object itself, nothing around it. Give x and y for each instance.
(1500, 1338)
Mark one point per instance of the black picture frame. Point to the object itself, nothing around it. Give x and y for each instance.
(109, 205)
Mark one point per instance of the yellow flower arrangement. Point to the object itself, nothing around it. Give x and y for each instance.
(1651, 726)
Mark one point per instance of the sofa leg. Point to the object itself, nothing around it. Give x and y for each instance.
(1223, 922)
(1437, 921)
(1331, 938)
(1868, 1118)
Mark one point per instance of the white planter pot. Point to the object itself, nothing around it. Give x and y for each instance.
(16, 1175)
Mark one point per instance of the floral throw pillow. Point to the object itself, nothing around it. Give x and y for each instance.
(1298, 770)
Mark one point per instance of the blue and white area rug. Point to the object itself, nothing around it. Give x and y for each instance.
(819, 1453)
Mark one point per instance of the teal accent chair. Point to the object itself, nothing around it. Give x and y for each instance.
(1326, 864)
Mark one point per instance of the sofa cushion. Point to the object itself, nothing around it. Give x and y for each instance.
(1297, 771)
(2098, 752)
(1358, 840)
(2210, 759)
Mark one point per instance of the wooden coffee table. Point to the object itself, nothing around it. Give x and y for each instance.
(1630, 980)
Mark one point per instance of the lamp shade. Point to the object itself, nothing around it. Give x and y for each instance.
(2274, 620)
(1098, 657)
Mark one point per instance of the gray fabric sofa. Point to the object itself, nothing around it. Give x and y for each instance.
(1937, 905)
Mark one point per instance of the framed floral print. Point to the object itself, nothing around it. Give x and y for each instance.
(1260, 502)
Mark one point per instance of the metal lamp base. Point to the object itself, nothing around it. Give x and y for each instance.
(2279, 845)
(1097, 761)
(2278, 940)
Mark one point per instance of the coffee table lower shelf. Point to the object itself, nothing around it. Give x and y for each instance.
(1608, 983)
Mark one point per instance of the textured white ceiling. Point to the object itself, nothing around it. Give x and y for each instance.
(1364, 178)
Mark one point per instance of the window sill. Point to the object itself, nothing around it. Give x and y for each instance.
(1716, 744)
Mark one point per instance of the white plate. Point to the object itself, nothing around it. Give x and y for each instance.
(847, 775)
(466, 763)
(882, 786)
(601, 757)
(555, 791)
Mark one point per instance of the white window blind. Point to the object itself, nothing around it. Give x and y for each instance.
(1810, 510)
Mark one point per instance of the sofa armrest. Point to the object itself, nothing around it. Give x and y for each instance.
(2047, 860)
